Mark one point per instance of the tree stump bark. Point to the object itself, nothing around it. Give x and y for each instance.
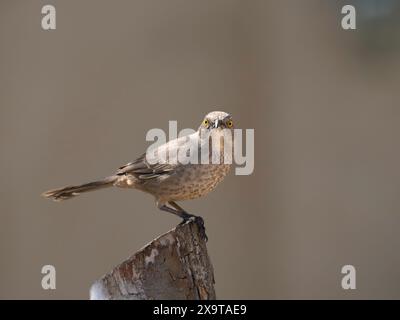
(174, 266)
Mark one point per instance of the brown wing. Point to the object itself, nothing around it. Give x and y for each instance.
(143, 170)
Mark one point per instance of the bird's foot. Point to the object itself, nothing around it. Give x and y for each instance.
(200, 224)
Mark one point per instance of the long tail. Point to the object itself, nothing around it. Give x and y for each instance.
(72, 191)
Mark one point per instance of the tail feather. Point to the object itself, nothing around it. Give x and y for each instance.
(72, 191)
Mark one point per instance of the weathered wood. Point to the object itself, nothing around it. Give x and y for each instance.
(176, 265)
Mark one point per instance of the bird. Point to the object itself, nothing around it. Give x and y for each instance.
(167, 178)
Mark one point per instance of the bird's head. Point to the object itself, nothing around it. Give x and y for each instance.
(216, 120)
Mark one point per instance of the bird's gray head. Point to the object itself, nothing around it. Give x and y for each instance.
(217, 120)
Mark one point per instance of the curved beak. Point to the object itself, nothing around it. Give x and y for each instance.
(216, 123)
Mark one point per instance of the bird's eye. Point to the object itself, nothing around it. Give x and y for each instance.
(206, 123)
(229, 124)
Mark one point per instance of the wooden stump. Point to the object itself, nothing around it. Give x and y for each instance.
(176, 265)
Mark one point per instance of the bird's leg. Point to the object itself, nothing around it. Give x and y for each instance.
(187, 216)
(184, 215)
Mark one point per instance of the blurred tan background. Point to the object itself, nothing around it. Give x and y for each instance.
(76, 103)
